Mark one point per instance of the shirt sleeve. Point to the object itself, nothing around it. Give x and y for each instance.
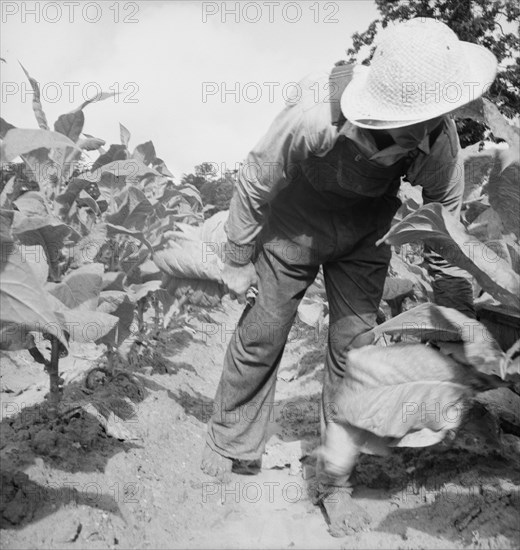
(441, 176)
(296, 132)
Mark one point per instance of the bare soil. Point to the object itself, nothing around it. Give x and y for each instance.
(69, 482)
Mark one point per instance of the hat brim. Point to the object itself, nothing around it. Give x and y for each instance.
(360, 108)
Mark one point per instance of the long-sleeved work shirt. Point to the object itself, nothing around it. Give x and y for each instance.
(305, 128)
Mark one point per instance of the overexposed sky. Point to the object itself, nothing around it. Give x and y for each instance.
(162, 56)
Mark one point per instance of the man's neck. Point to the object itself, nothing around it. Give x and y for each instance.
(382, 139)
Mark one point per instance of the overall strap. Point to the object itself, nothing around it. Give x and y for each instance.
(339, 78)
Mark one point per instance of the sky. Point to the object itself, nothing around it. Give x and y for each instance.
(202, 80)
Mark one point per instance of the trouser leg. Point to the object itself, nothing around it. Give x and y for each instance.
(243, 404)
(354, 285)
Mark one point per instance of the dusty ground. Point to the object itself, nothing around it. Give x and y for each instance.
(67, 484)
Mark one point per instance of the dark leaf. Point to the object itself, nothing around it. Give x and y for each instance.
(139, 235)
(70, 125)
(133, 211)
(86, 250)
(114, 153)
(119, 305)
(90, 143)
(36, 102)
(46, 231)
(145, 153)
(4, 127)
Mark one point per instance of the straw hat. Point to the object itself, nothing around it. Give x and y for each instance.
(420, 70)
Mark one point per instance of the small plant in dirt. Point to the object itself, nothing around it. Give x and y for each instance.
(78, 236)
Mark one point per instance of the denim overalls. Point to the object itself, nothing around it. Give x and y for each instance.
(331, 213)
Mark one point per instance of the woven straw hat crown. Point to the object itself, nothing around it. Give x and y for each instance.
(420, 70)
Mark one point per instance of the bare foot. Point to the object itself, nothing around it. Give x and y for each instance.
(345, 516)
(216, 465)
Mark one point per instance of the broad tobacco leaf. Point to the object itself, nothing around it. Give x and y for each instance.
(99, 97)
(513, 247)
(45, 231)
(4, 127)
(483, 110)
(488, 227)
(113, 280)
(80, 288)
(214, 231)
(447, 236)
(24, 304)
(36, 102)
(195, 252)
(396, 287)
(161, 167)
(19, 141)
(113, 230)
(86, 249)
(119, 305)
(110, 188)
(504, 188)
(40, 167)
(202, 293)
(90, 143)
(75, 300)
(115, 152)
(6, 235)
(186, 213)
(125, 135)
(191, 192)
(169, 191)
(147, 271)
(430, 322)
(70, 125)
(35, 256)
(477, 166)
(71, 193)
(130, 168)
(170, 304)
(10, 191)
(145, 152)
(83, 325)
(130, 263)
(33, 203)
(133, 211)
(138, 291)
(189, 259)
(415, 273)
(84, 200)
(401, 391)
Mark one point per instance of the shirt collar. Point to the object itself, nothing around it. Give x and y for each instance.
(364, 139)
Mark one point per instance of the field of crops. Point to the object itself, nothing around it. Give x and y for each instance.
(114, 323)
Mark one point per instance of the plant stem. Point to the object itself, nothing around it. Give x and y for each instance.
(54, 375)
(140, 314)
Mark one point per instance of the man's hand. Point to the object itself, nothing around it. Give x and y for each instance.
(239, 278)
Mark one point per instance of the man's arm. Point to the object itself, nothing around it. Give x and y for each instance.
(441, 176)
(302, 128)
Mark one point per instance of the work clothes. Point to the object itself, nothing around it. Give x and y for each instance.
(310, 195)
